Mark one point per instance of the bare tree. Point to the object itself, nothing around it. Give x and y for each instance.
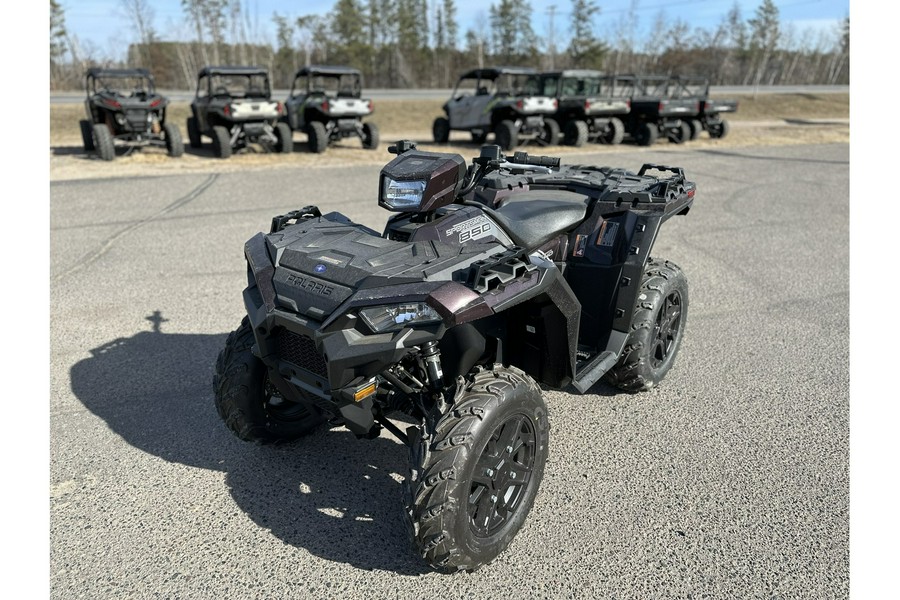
(141, 14)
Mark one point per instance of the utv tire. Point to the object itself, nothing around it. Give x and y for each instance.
(250, 407)
(103, 141)
(317, 137)
(479, 137)
(506, 135)
(646, 134)
(575, 134)
(657, 327)
(440, 130)
(550, 135)
(615, 132)
(174, 144)
(221, 141)
(696, 128)
(86, 136)
(719, 130)
(370, 139)
(474, 479)
(680, 134)
(193, 130)
(284, 138)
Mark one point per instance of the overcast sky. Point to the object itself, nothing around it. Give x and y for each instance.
(102, 22)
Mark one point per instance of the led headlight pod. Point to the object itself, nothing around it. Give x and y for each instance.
(396, 316)
(403, 195)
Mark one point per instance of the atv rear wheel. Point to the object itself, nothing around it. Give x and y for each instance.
(474, 478)
(615, 132)
(550, 135)
(680, 134)
(479, 136)
(221, 142)
(103, 141)
(317, 137)
(718, 130)
(249, 405)
(440, 130)
(506, 135)
(86, 136)
(284, 138)
(174, 144)
(646, 134)
(657, 327)
(370, 139)
(194, 133)
(576, 133)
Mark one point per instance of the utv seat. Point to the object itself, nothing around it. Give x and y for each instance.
(535, 217)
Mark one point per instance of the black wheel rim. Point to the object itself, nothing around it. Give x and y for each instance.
(502, 475)
(280, 409)
(668, 324)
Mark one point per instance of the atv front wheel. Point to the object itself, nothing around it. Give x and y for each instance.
(718, 130)
(194, 133)
(479, 136)
(103, 141)
(370, 139)
(284, 138)
(174, 144)
(249, 405)
(221, 142)
(86, 136)
(440, 130)
(317, 137)
(507, 135)
(550, 135)
(657, 327)
(576, 133)
(474, 478)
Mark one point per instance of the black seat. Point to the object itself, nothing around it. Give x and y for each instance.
(533, 218)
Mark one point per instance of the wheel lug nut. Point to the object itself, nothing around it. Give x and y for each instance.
(489, 472)
(512, 475)
(509, 449)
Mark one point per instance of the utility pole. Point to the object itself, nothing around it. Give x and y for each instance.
(551, 44)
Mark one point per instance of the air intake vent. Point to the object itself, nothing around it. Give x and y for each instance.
(301, 351)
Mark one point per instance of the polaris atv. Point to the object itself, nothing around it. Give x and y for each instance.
(326, 104)
(122, 105)
(709, 114)
(234, 107)
(505, 101)
(587, 111)
(487, 282)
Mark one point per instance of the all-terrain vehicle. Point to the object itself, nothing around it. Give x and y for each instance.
(234, 107)
(122, 106)
(326, 103)
(487, 281)
(710, 110)
(505, 101)
(588, 110)
(654, 111)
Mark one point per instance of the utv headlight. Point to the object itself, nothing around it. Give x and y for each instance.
(402, 195)
(397, 316)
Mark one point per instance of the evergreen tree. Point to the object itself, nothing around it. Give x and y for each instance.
(586, 51)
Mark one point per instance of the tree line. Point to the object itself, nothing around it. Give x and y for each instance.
(419, 43)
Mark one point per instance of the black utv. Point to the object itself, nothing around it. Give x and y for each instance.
(122, 106)
(233, 106)
(505, 101)
(654, 110)
(486, 282)
(587, 108)
(709, 118)
(326, 104)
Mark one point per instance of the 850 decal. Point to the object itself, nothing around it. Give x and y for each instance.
(471, 229)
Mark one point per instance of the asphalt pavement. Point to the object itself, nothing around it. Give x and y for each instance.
(730, 480)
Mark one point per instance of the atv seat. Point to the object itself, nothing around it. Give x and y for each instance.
(535, 217)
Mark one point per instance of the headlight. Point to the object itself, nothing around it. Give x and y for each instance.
(396, 316)
(402, 194)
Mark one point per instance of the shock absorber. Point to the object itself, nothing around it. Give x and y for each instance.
(432, 356)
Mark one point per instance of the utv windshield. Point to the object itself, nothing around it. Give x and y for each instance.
(588, 86)
(340, 86)
(240, 86)
(517, 84)
(623, 88)
(126, 86)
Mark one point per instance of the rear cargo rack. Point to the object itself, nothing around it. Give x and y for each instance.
(282, 221)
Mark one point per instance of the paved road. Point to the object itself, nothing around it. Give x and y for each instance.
(442, 94)
(730, 480)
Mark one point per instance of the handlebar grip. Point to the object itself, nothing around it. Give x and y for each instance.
(522, 158)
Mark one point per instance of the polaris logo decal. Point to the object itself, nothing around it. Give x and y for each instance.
(310, 285)
(320, 268)
(471, 229)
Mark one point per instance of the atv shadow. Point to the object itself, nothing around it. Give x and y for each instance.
(335, 496)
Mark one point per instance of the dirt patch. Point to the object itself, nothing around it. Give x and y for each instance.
(770, 119)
